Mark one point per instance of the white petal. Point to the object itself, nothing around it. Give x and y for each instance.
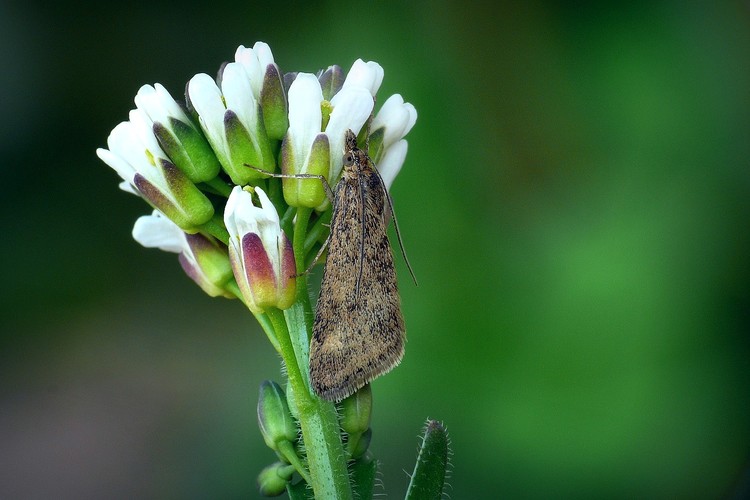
(207, 101)
(264, 54)
(392, 161)
(270, 232)
(123, 168)
(397, 117)
(365, 74)
(238, 95)
(143, 128)
(157, 231)
(128, 188)
(254, 62)
(159, 105)
(351, 109)
(305, 116)
(125, 143)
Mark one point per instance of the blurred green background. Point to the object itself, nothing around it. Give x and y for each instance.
(575, 204)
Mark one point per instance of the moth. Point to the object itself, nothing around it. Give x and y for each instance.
(358, 332)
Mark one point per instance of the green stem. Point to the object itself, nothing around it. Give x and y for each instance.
(300, 254)
(320, 428)
(215, 227)
(219, 186)
(286, 448)
(318, 231)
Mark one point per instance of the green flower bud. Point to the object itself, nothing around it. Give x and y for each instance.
(276, 423)
(134, 153)
(178, 136)
(357, 445)
(261, 255)
(232, 120)
(273, 479)
(355, 421)
(356, 411)
(305, 192)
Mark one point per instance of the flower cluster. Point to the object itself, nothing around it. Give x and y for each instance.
(195, 161)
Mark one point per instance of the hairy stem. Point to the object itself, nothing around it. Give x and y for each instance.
(320, 429)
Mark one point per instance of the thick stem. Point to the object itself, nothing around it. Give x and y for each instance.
(320, 429)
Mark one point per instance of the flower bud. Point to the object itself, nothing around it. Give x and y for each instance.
(309, 148)
(276, 423)
(202, 258)
(273, 479)
(178, 136)
(356, 411)
(359, 446)
(136, 156)
(231, 118)
(355, 420)
(387, 147)
(261, 255)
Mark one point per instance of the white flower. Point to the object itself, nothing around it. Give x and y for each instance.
(231, 120)
(261, 255)
(135, 154)
(396, 118)
(391, 162)
(134, 151)
(181, 140)
(308, 149)
(368, 75)
(203, 260)
(255, 61)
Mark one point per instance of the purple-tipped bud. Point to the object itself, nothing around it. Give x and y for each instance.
(261, 254)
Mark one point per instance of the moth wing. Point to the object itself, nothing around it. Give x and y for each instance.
(358, 333)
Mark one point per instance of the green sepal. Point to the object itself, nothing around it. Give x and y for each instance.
(375, 145)
(242, 151)
(193, 154)
(428, 478)
(306, 192)
(184, 204)
(274, 104)
(331, 80)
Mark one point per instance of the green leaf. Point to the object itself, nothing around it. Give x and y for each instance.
(428, 478)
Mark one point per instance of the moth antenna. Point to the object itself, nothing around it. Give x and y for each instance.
(395, 225)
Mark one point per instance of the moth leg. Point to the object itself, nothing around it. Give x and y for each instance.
(321, 178)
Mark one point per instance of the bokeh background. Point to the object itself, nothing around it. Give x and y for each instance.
(575, 204)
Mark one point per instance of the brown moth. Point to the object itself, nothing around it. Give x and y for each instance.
(358, 333)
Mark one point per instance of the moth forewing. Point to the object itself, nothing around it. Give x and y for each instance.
(358, 333)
